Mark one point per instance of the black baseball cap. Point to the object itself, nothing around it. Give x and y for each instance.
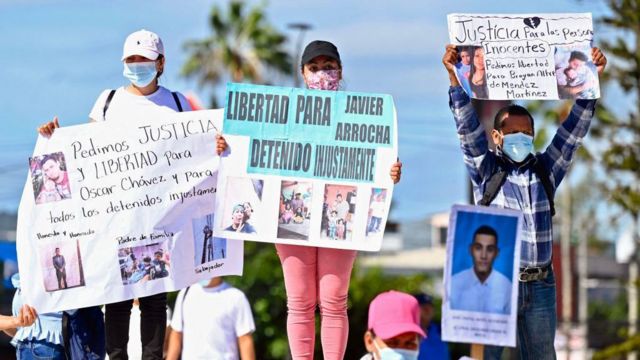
(318, 48)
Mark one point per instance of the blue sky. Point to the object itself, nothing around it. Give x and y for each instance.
(57, 56)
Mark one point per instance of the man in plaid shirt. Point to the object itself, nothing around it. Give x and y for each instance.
(522, 190)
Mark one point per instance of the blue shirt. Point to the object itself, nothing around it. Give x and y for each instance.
(432, 347)
(47, 327)
(522, 189)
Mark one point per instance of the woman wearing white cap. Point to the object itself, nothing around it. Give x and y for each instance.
(143, 60)
(313, 275)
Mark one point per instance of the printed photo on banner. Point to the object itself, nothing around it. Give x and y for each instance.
(49, 178)
(143, 263)
(377, 207)
(338, 212)
(61, 264)
(470, 71)
(294, 215)
(207, 247)
(576, 73)
(481, 286)
(243, 196)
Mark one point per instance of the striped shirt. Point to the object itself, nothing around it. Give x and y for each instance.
(522, 189)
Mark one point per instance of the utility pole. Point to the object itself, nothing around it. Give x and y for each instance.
(583, 278)
(632, 286)
(301, 27)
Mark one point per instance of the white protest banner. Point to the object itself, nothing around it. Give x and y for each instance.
(306, 167)
(122, 209)
(525, 56)
(481, 276)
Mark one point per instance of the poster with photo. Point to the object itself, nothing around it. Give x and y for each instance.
(481, 276)
(303, 165)
(525, 56)
(122, 209)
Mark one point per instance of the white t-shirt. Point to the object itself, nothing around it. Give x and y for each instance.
(377, 209)
(491, 296)
(211, 320)
(125, 105)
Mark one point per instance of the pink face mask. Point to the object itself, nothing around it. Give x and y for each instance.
(323, 80)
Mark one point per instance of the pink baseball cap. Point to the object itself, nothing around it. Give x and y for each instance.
(393, 313)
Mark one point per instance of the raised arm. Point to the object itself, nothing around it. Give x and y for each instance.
(559, 154)
(473, 141)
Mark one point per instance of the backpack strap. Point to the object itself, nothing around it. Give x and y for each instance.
(184, 297)
(106, 103)
(494, 184)
(177, 100)
(543, 176)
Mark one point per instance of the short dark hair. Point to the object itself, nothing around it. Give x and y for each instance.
(579, 55)
(57, 249)
(485, 230)
(510, 110)
(47, 158)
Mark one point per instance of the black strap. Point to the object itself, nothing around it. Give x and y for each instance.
(106, 103)
(184, 297)
(543, 176)
(177, 100)
(494, 184)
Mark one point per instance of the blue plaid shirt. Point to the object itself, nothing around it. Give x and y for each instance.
(522, 189)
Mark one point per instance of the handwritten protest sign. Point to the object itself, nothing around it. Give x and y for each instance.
(525, 56)
(122, 209)
(306, 167)
(481, 276)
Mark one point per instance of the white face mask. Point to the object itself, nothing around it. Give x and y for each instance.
(140, 74)
(395, 354)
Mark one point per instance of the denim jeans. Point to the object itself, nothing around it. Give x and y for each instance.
(153, 322)
(536, 321)
(39, 350)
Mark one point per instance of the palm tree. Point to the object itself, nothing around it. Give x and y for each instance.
(243, 45)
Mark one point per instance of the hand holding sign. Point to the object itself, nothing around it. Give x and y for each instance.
(47, 129)
(450, 59)
(599, 60)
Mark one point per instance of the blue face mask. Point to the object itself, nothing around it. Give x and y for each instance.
(396, 354)
(517, 146)
(140, 74)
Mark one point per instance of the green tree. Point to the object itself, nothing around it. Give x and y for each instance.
(621, 127)
(242, 47)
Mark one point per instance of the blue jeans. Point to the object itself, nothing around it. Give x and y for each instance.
(39, 350)
(536, 321)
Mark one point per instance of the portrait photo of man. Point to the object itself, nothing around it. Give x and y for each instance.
(481, 288)
(50, 178)
(61, 273)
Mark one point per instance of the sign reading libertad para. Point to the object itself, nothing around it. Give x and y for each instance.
(122, 209)
(525, 56)
(306, 167)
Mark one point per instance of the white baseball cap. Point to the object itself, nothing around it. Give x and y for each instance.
(144, 43)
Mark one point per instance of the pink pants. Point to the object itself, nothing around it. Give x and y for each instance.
(315, 275)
